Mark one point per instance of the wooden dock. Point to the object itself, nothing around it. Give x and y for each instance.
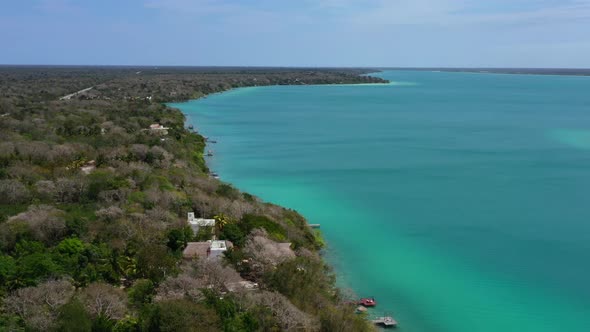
(385, 321)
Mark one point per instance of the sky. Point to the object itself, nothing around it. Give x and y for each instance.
(307, 33)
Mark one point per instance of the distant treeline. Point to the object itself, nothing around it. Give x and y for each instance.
(159, 84)
(522, 71)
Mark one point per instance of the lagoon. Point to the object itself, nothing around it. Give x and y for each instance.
(458, 200)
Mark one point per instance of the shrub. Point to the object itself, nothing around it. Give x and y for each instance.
(13, 192)
(142, 292)
(73, 318)
(274, 230)
(179, 315)
(228, 191)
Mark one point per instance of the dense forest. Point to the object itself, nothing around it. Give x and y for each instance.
(94, 203)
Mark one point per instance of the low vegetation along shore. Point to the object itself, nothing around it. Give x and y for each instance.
(95, 191)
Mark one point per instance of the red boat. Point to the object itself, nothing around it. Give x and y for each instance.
(368, 302)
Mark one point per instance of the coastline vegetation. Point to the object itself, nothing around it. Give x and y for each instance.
(93, 207)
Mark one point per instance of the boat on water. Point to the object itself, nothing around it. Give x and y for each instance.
(368, 302)
(209, 153)
(214, 175)
(191, 127)
(212, 141)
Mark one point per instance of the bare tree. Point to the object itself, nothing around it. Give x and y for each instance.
(104, 300)
(140, 151)
(288, 315)
(115, 196)
(238, 208)
(62, 154)
(265, 251)
(38, 306)
(6, 149)
(197, 275)
(45, 222)
(45, 189)
(182, 286)
(109, 214)
(160, 215)
(70, 190)
(205, 184)
(214, 274)
(13, 192)
(34, 151)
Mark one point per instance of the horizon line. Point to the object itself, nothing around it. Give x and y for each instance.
(289, 67)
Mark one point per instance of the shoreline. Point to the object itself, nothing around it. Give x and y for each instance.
(204, 96)
(132, 176)
(219, 177)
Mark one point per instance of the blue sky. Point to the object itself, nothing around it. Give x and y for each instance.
(423, 33)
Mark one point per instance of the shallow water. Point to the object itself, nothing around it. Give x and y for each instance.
(460, 201)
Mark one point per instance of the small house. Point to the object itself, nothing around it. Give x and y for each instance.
(217, 249)
(241, 285)
(212, 250)
(196, 223)
(156, 127)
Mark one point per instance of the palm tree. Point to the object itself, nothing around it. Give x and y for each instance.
(220, 221)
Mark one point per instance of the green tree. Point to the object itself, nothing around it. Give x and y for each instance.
(103, 324)
(154, 262)
(234, 233)
(220, 221)
(127, 324)
(71, 246)
(142, 292)
(7, 269)
(178, 238)
(179, 315)
(73, 318)
(35, 267)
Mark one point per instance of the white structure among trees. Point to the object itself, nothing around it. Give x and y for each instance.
(196, 223)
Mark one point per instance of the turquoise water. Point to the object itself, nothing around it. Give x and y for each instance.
(460, 201)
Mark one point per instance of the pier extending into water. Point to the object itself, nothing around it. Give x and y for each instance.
(386, 321)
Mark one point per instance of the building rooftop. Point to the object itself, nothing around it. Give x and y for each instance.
(241, 285)
(157, 126)
(196, 249)
(199, 221)
(218, 245)
(209, 249)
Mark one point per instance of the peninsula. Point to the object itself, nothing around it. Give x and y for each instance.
(111, 221)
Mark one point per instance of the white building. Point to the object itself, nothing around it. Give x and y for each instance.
(156, 127)
(216, 249)
(196, 223)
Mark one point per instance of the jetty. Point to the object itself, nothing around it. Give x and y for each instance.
(386, 321)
